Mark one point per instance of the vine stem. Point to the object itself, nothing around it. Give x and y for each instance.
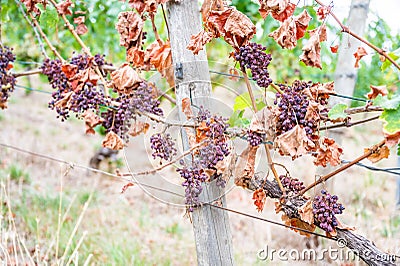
(267, 150)
(277, 88)
(358, 37)
(86, 50)
(324, 178)
(52, 48)
(350, 124)
(153, 24)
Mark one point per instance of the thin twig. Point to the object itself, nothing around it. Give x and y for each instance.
(358, 37)
(153, 24)
(27, 73)
(267, 150)
(324, 178)
(350, 124)
(39, 39)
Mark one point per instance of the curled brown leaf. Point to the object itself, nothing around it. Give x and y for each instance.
(245, 166)
(63, 7)
(138, 127)
(294, 142)
(91, 120)
(312, 50)
(382, 153)
(113, 141)
(129, 26)
(198, 41)
(376, 90)
(259, 198)
(125, 79)
(360, 53)
(328, 152)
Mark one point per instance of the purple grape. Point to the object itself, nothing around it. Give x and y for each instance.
(255, 138)
(163, 146)
(7, 81)
(325, 207)
(292, 184)
(193, 180)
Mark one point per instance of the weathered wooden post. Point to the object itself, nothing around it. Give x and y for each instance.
(192, 79)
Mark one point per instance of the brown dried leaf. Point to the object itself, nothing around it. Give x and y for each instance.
(125, 79)
(259, 198)
(328, 152)
(130, 27)
(113, 141)
(285, 14)
(160, 56)
(322, 12)
(81, 29)
(234, 72)
(294, 142)
(198, 41)
(236, 28)
(358, 55)
(263, 122)
(138, 127)
(321, 90)
(312, 50)
(69, 70)
(91, 120)
(227, 165)
(65, 100)
(245, 165)
(135, 56)
(334, 48)
(376, 90)
(79, 20)
(392, 139)
(306, 212)
(201, 132)
(302, 21)
(272, 6)
(126, 186)
(285, 35)
(31, 6)
(63, 7)
(209, 5)
(298, 224)
(146, 5)
(382, 153)
(187, 108)
(89, 75)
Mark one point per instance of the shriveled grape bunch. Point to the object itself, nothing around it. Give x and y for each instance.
(7, 81)
(292, 184)
(255, 138)
(325, 207)
(163, 146)
(194, 178)
(292, 105)
(118, 118)
(143, 99)
(253, 57)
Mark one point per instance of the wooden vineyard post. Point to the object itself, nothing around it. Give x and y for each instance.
(192, 80)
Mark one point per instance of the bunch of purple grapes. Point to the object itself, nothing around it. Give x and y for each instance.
(255, 138)
(87, 99)
(293, 104)
(163, 146)
(325, 207)
(253, 56)
(82, 61)
(143, 100)
(292, 184)
(7, 81)
(119, 118)
(194, 178)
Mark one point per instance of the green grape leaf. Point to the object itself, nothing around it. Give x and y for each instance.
(260, 104)
(337, 111)
(398, 149)
(394, 55)
(391, 120)
(242, 101)
(386, 103)
(49, 19)
(237, 119)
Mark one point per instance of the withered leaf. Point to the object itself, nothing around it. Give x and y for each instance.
(81, 29)
(272, 6)
(328, 152)
(306, 212)
(322, 12)
(294, 142)
(125, 79)
(138, 127)
(392, 139)
(320, 90)
(263, 122)
(298, 224)
(245, 166)
(285, 14)
(209, 5)
(146, 5)
(159, 55)
(334, 48)
(89, 75)
(65, 100)
(187, 108)
(312, 50)
(376, 90)
(113, 141)
(236, 28)
(31, 6)
(129, 27)
(198, 41)
(291, 30)
(135, 56)
(235, 74)
(361, 52)
(91, 120)
(259, 198)
(63, 7)
(382, 153)
(201, 131)
(126, 186)
(69, 70)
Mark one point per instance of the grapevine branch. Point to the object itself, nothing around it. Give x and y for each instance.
(267, 150)
(351, 33)
(350, 124)
(324, 178)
